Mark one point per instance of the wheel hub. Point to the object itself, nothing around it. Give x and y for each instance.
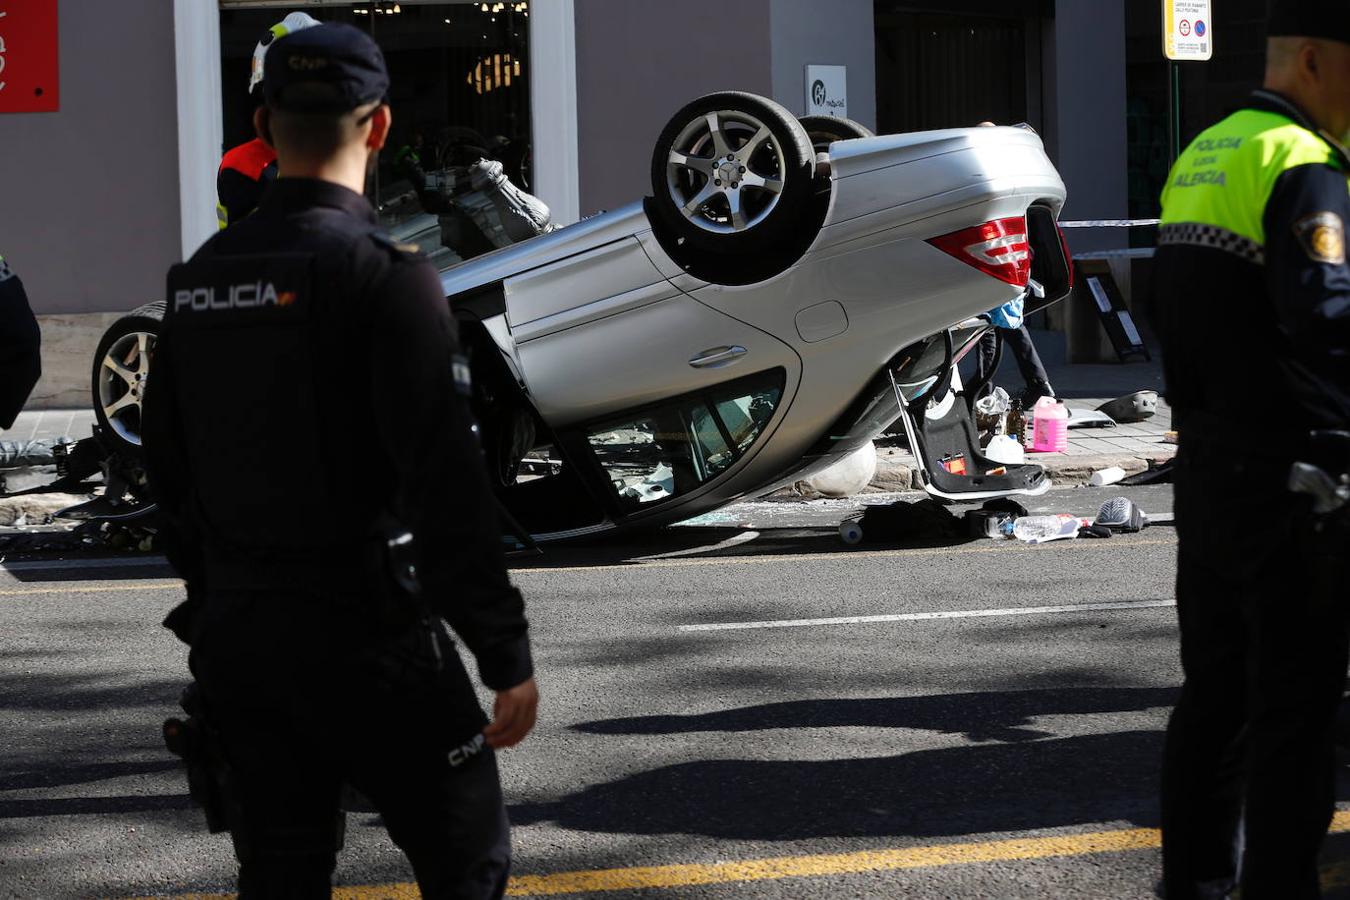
(121, 383)
(725, 172)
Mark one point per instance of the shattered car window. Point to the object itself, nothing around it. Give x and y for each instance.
(664, 452)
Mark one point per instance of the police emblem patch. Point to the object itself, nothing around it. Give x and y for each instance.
(1323, 237)
(397, 246)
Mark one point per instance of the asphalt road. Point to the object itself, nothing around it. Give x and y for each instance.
(903, 748)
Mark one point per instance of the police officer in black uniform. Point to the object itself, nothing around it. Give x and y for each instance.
(20, 346)
(1252, 303)
(321, 575)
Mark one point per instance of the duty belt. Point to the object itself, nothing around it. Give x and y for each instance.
(307, 577)
(346, 569)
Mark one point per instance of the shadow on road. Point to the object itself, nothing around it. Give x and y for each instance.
(86, 730)
(985, 716)
(688, 542)
(37, 569)
(81, 774)
(1016, 778)
(986, 788)
(73, 806)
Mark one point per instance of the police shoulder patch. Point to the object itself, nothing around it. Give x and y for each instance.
(399, 247)
(1323, 237)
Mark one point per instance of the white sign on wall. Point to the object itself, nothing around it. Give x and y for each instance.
(827, 91)
(1188, 29)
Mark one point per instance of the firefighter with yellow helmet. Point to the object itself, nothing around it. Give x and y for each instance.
(248, 169)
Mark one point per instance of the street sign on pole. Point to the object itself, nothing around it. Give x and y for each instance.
(1188, 36)
(1188, 30)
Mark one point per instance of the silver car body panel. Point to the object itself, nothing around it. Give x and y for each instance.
(642, 355)
(518, 259)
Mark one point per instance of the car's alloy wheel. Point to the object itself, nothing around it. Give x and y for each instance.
(732, 172)
(121, 370)
(725, 172)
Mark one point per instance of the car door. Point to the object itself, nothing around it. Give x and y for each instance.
(604, 332)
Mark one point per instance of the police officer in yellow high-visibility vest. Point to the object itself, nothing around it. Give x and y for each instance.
(1252, 303)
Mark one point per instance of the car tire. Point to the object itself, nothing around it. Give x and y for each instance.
(121, 368)
(825, 130)
(732, 173)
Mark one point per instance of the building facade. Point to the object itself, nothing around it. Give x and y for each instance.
(98, 198)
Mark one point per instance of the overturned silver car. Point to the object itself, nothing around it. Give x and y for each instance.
(788, 291)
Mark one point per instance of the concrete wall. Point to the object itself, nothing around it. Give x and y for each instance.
(638, 61)
(89, 195)
(838, 33)
(1085, 89)
(89, 206)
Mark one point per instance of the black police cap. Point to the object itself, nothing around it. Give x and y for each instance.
(1326, 19)
(330, 68)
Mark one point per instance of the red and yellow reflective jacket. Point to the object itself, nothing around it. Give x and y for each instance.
(245, 173)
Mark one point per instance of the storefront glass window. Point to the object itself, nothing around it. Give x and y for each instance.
(459, 89)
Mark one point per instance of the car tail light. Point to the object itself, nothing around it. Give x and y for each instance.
(999, 248)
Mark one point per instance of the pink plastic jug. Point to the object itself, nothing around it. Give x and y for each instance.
(1049, 432)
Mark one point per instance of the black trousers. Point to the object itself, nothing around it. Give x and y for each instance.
(305, 701)
(1248, 771)
(1018, 341)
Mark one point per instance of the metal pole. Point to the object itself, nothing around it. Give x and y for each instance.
(1174, 109)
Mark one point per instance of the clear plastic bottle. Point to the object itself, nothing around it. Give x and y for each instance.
(1039, 529)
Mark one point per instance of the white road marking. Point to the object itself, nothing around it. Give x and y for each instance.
(736, 541)
(57, 565)
(926, 616)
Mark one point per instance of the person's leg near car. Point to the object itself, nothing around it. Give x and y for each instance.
(448, 818)
(258, 692)
(1202, 779)
(985, 351)
(1034, 377)
(282, 800)
(436, 786)
(1298, 656)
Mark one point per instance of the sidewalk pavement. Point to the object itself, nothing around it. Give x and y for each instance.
(1133, 448)
(50, 423)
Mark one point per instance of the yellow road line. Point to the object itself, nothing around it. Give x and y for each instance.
(88, 588)
(815, 866)
(800, 558)
(832, 864)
